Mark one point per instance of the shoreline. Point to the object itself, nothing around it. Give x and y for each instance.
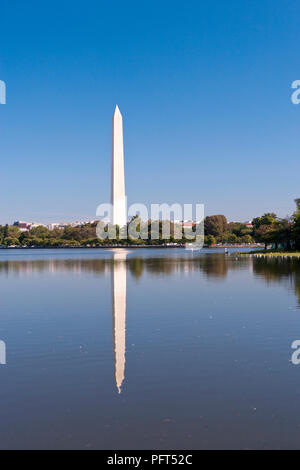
(86, 247)
(278, 254)
(119, 246)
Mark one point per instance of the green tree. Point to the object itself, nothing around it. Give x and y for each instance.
(247, 239)
(11, 241)
(39, 232)
(56, 233)
(11, 231)
(209, 240)
(34, 241)
(264, 228)
(5, 232)
(215, 225)
(296, 226)
(267, 219)
(239, 229)
(71, 233)
(282, 234)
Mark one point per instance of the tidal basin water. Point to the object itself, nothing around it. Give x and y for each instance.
(148, 349)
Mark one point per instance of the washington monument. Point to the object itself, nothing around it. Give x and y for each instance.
(118, 198)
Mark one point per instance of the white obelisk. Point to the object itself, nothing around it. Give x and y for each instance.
(118, 198)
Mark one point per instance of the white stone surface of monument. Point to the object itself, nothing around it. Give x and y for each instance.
(118, 198)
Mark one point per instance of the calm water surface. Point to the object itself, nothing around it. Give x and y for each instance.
(162, 349)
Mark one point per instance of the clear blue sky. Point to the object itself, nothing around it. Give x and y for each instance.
(204, 89)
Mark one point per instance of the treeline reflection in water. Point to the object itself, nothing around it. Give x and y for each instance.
(216, 266)
(276, 270)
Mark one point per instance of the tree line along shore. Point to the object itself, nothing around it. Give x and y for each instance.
(268, 229)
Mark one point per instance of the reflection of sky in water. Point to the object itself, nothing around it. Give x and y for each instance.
(207, 341)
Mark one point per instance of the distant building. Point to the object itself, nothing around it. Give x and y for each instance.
(35, 224)
(247, 224)
(188, 224)
(62, 225)
(26, 226)
(23, 226)
(52, 226)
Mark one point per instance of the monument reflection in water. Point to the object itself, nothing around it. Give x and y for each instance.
(118, 288)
